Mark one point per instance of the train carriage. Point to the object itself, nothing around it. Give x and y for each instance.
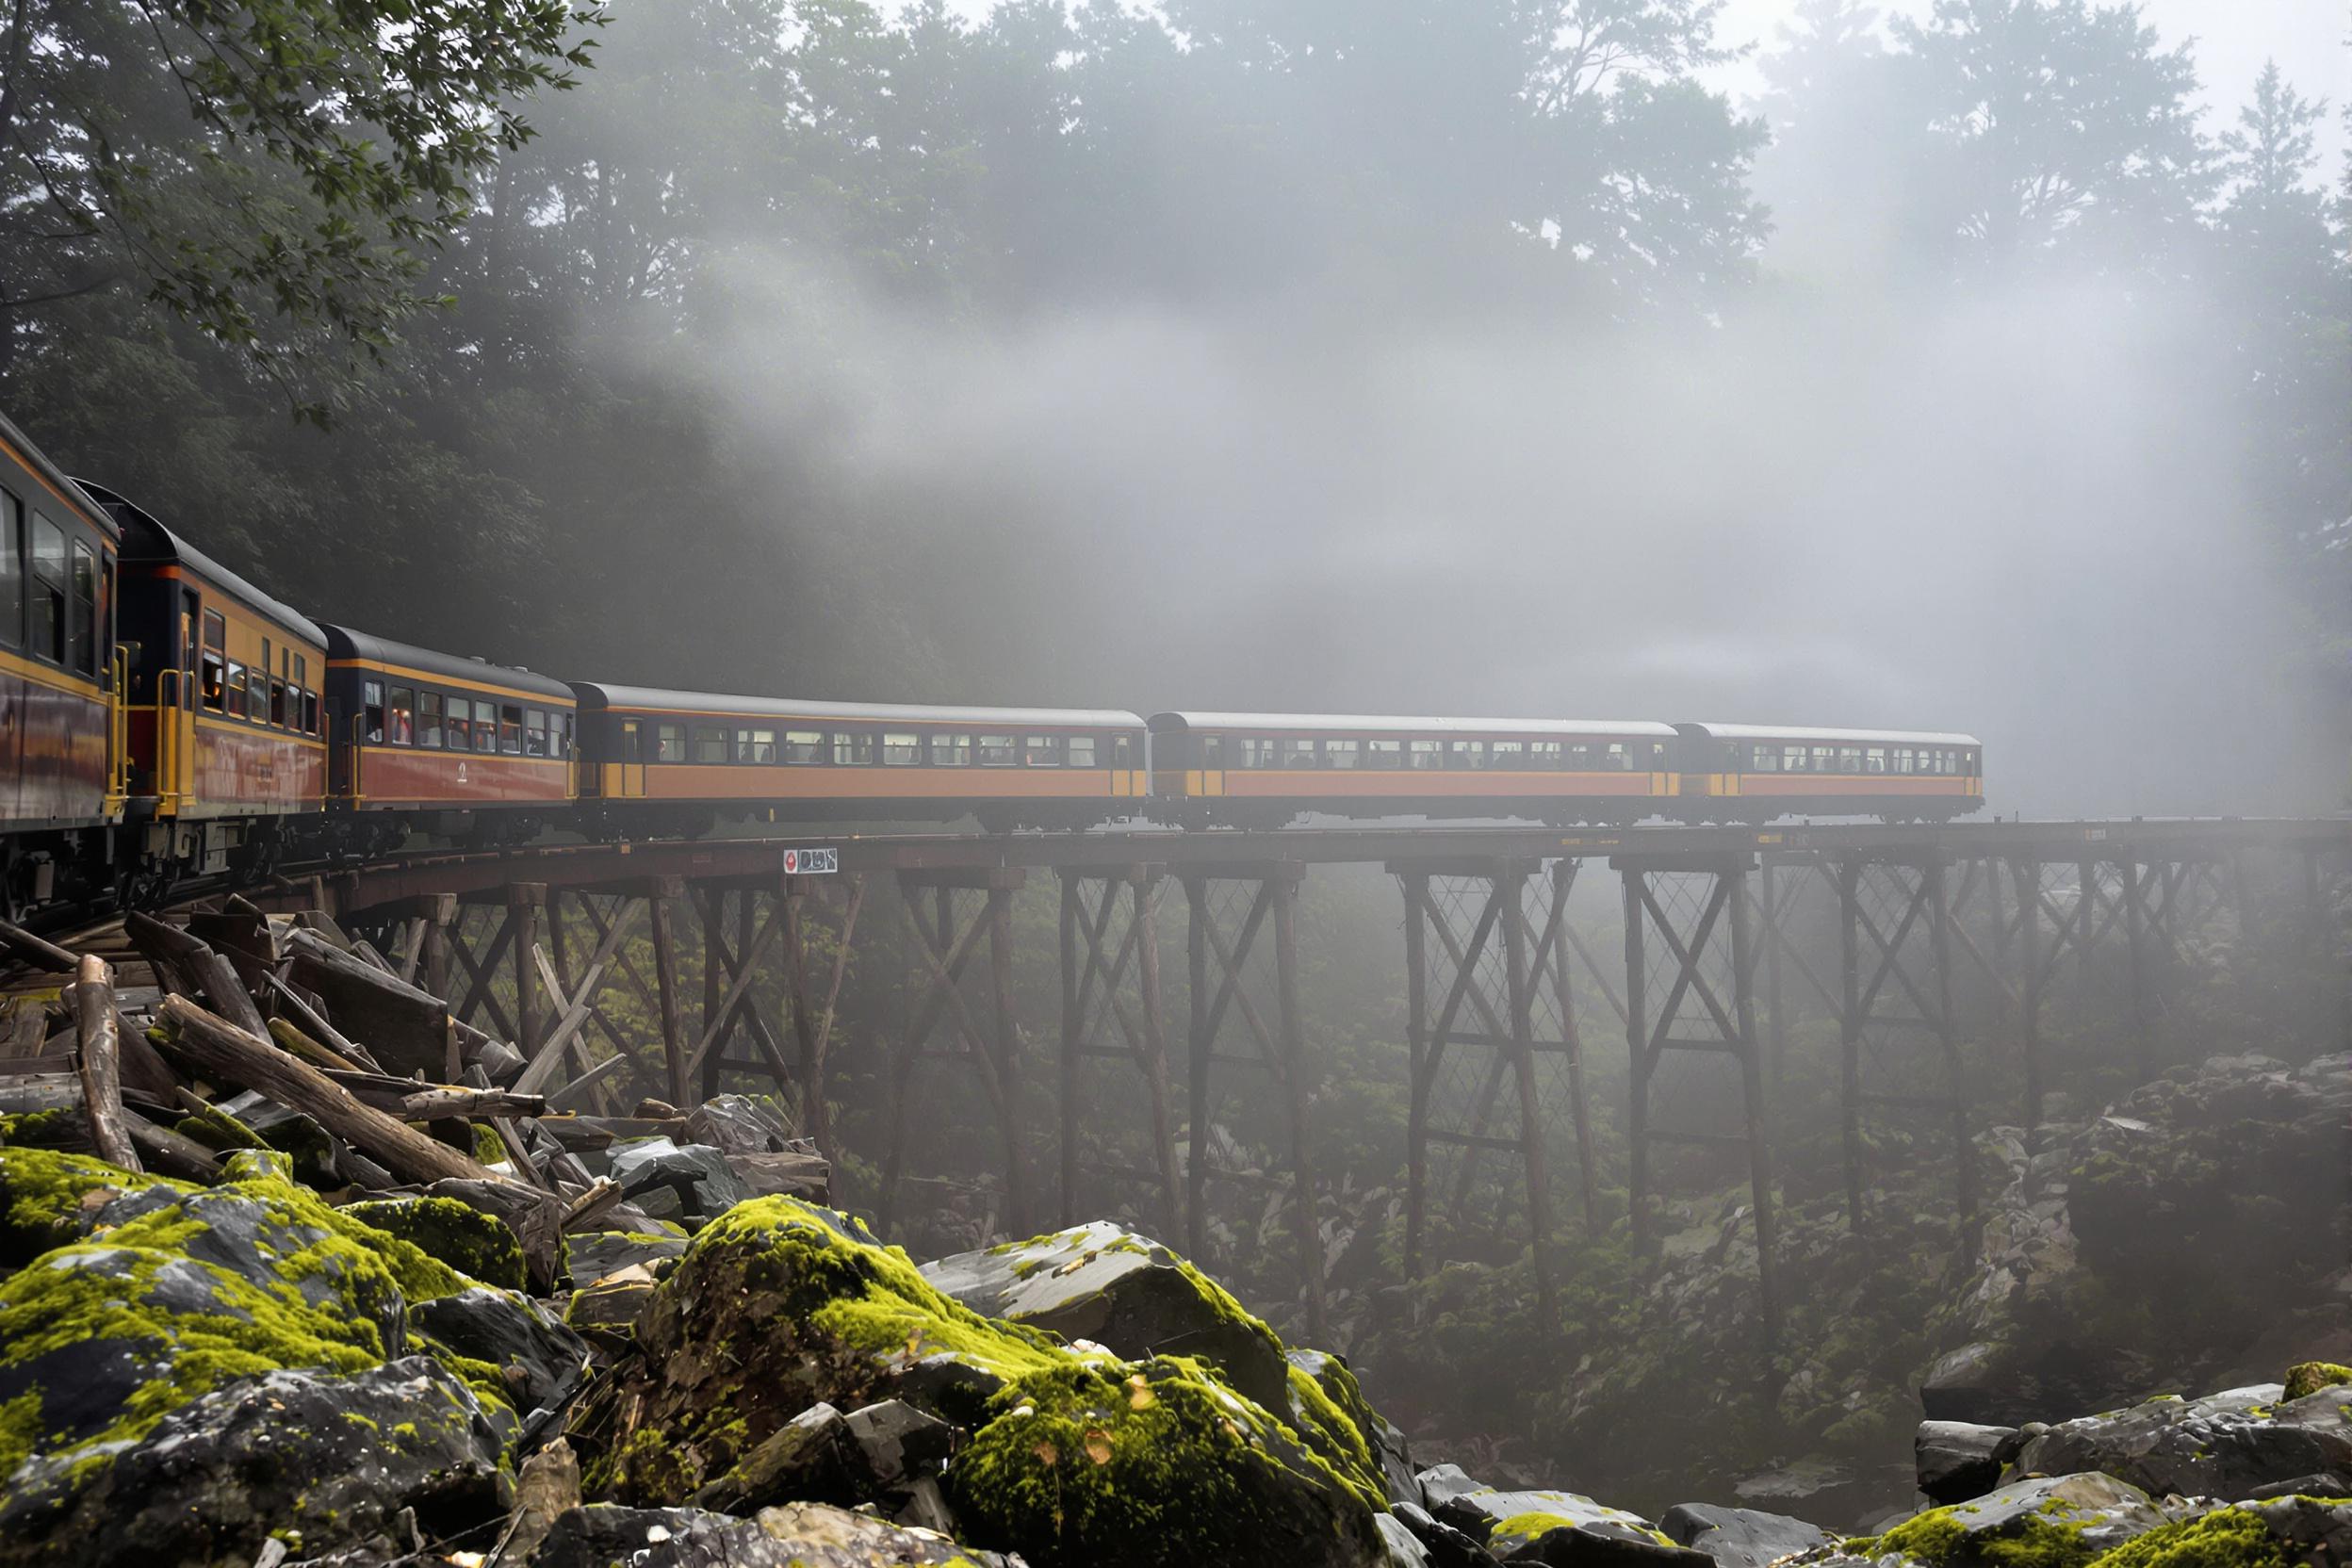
(227, 756)
(1254, 770)
(692, 758)
(1753, 772)
(60, 744)
(444, 744)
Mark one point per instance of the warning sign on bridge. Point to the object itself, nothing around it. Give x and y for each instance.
(811, 862)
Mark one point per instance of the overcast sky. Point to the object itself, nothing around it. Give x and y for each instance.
(2233, 39)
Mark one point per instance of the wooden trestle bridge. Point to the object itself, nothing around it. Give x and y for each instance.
(1710, 968)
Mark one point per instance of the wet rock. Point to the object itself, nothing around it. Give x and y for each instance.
(540, 1361)
(547, 1489)
(796, 1535)
(808, 1177)
(736, 1124)
(695, 1175)
(330, 1458)
(2049, 1519)
(898, 1443)
(1738, 1537)
(809, 1458)
(1403, 1547)
(1956, 1459)
(1104, 1283)
(2227, 1445)
(610, 1308)
(1447, 1546)
(1386, 1452)
(1510, 1523)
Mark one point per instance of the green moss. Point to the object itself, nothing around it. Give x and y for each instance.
(1335, 1433)
(1520, 1528)
(2043, 1540)
(46, 1197)
(332, 1284)
(53, 1129)
(489, 1148)
(1149, 1465)
(20, 1430)
(2310, 1377)
(458, 1234)
(2226, 1538)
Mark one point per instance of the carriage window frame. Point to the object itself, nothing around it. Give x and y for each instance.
(1212, 753)
(1386, 755)
(709, 744)
(1850, 759)
(81, 635)
(1301, 753)
(511, 728)
(1342, 756)
(458, 731)
(538, 740)
(950, 749)
(278, 711)
(902, 748)
(1257, 752)
(804, 749)
(756, 744)
(669, 742)
(1041, 751)
(1547, 755)
(1425, 755)
(1516, 751)
(45, 632)
(13, 581)
(1079, 751)
(429, 711)
(997, 751)
(1763, 757)
(486, 727)
(1617, 758)
(400, 715)
(1873, 759)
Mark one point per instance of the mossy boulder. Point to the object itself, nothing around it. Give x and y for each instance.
(777, 1306)
(2229, 1445)
(1076, 1456)
(2286, 1533)
(2049, 1522)
(471, 1242)
(162, 1295)
(1508, 1522)
(2308, 1377)
(1153, 1465)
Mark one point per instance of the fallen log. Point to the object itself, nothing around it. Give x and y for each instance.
(175, 955)
(171, 1153)
(37, 952)
(25, 1093)
(315, 1027)
(240, 1056)
(98, 1064)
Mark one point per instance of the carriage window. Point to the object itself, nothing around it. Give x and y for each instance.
(403, 715)
(1902, 760)
(1619, 760)
(511, 728)
(371, 696)
(559, 734)
(1508, 753)
(48, 590)
(951, 751)
(1824, 758)
(997, 751)
(1849, 759)
(11, 570)
(428, 719)
(1580, 757)
(277, 702)
(485, 726)
(310, 712)
(755, 745)
(1212, 752)
(1875, 759)
(1545, 755)
(85, 618)
(1426, 754)
(1042, 751)
(1341, 754)
(1256, 752)
(1763, 758)
(461, 730)
(709, 743)
(1792, 758)
(1122, 751)
(1974, 763)
(1298, 753)
(900, 750)
(1389, 755)
(535, 733)
(851, 750)
(669, 742)
(804, 745)
(1080, 751)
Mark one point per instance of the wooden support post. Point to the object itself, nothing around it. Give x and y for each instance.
(1756, 1116)
(2135, 929)
(1304, 1218)
(1640, 1058)
(1416, 886)
(1008, 1045)
(1073, 1041)
(1848, 876)
(1579, 1102)
(437, 921)
(1146, 897)
(1510, 887)
(662, 899)
(1778, 1019)
(719, 1030)
(1199, 1044)
(2028, 874)
(528, 900)
(1948, 1035)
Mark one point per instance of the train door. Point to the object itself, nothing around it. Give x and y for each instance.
(633, 768)
(179, 692)
(1212, 772)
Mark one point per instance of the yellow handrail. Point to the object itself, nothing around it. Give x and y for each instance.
(118, 732)
(359, 751)
(170, 690)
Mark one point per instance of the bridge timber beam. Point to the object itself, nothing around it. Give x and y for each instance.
(1228, 904)
(1697, 908)
(1102, 988)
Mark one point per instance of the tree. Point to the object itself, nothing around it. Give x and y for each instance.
(274, 171)
(2058, 121)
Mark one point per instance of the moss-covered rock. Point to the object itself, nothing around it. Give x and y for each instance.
(473, 1242)
(2308, 1377)
(48, 1199)
(2226, 1538)
(1155, 1464)
(2059, 1522)
(777, 1306)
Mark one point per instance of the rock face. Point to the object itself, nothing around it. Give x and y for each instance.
(1538, 1525)
(668, 1180)
(1957, 1461)
(2229, 1444)
(2050, 1519)
(1075, 1455)
(1738, 1537)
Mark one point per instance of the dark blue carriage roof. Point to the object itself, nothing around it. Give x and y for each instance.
(145, 540)
(343, 643)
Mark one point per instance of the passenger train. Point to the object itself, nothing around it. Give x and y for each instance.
(162, 716)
